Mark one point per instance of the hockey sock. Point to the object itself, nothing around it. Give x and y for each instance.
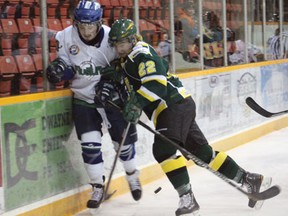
(176, 171)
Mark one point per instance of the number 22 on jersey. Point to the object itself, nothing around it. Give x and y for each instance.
(146, 68)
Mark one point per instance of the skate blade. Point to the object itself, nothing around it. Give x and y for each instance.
(95, 211)
(266, 183)
(196, 213)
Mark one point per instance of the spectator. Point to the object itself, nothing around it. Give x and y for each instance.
(164, 48)
(178, 32)
(212, 41)
(238, 55)
(188, 26)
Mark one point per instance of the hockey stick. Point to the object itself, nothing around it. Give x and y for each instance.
(257, 108)
(106, 195)
(267, 194)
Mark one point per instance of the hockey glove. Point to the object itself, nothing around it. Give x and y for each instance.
(114, 71)
(58, 71)
(104, 91)
(108, 71)
(132, 109)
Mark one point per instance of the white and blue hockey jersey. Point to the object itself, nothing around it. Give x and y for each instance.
(86, 60)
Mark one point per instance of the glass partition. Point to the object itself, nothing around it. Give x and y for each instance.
(255, 31)
(186, 25)
(203, 34)
(213, 34)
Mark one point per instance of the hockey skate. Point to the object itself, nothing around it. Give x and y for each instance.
(255, 183)
(134, 185)
(97, 196)
(188, 205)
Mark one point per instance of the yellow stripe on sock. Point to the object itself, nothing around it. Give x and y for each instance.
(173, 164)
(217, 162)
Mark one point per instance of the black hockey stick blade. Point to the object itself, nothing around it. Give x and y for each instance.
(257, 108)
(266, 194)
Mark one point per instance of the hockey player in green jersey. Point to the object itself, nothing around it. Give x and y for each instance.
(166, 102)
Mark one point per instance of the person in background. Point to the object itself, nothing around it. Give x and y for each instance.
(212, 41)
(164, 48)
(178, 33)
(274, 48)
(237, 56)
(167, 103)
(189, 28)
(83, 51)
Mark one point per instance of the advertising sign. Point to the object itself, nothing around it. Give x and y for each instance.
(36, 164)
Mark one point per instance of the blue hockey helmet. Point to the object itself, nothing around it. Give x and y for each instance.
(88, 12)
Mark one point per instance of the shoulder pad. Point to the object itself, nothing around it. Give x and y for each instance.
(140, 48)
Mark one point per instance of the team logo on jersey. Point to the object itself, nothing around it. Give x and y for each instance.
(74, 50)
(89, 70)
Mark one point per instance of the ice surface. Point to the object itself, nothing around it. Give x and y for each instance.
(266, 155)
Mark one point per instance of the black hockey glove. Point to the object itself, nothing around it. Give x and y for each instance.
(58, 71)
(104, 91)
(122, 93)
(132, 109)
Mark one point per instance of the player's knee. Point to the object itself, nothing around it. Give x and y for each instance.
(91, 152)
(162, 150)
(127, 152)
(204, 153)
(91, 147)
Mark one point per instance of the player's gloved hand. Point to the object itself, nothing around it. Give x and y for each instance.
(132, 109)
(104, 91)
(108, 71)
(122, 93)
(114, 71)
(58, 71)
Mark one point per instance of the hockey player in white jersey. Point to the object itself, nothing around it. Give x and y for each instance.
(83, 51)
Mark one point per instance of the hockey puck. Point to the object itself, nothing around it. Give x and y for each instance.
(157, 190)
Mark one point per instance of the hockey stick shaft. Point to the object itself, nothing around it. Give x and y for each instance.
(125, 133)
(269, 193)
(257, 108)
(190, 156)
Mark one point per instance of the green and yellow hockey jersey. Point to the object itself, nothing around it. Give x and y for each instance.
(148, 75)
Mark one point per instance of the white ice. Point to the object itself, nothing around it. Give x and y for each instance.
(266, 155)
